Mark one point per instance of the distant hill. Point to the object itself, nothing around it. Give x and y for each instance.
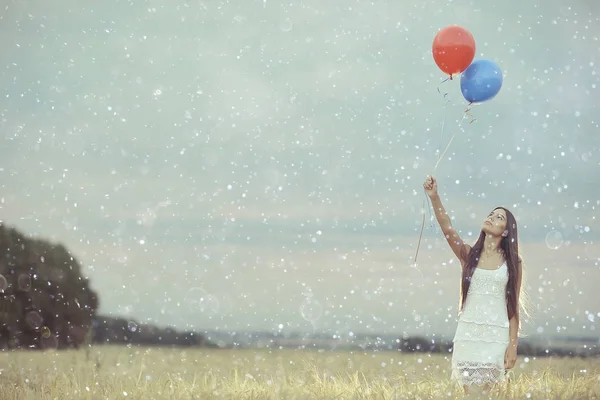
(388, 342)
(115, 330)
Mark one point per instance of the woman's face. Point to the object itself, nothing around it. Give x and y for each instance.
(495, 223)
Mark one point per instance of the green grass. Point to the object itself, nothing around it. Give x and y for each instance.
(106, 372)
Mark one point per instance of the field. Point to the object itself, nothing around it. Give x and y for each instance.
(104, 372)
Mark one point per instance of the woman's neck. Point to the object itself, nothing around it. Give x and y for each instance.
(491, 245)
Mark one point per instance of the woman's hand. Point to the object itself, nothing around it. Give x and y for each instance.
(430, 186)
(510, 356)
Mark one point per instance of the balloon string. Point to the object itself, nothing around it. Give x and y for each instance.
(438, 151)
(446, 101)
(466, 114)
(444, 153)
(420, 236)
(441, 156)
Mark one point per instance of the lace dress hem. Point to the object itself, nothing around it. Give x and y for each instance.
(469, 373)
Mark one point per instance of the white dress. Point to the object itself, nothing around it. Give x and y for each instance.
(482, 335)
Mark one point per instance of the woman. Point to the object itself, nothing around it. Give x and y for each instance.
(485, 342)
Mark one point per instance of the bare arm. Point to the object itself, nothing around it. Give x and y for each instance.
(457, 245)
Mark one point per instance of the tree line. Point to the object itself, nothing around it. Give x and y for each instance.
(46, 302)
(423, 345)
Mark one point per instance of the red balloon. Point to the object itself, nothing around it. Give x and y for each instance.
(453, 49)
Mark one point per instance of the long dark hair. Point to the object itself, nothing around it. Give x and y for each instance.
(510, 247)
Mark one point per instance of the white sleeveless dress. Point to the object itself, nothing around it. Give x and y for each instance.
(482, 335)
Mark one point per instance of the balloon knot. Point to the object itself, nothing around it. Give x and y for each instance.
(468, 114)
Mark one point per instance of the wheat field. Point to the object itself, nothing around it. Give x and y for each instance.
(107, 372)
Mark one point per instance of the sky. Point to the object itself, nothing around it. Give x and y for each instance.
(258, 165)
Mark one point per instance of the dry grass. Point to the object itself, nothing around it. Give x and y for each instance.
(152, 373)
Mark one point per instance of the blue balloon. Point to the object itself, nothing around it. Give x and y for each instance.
(481, 81)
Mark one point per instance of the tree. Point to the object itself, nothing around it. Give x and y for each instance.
(45, 302)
